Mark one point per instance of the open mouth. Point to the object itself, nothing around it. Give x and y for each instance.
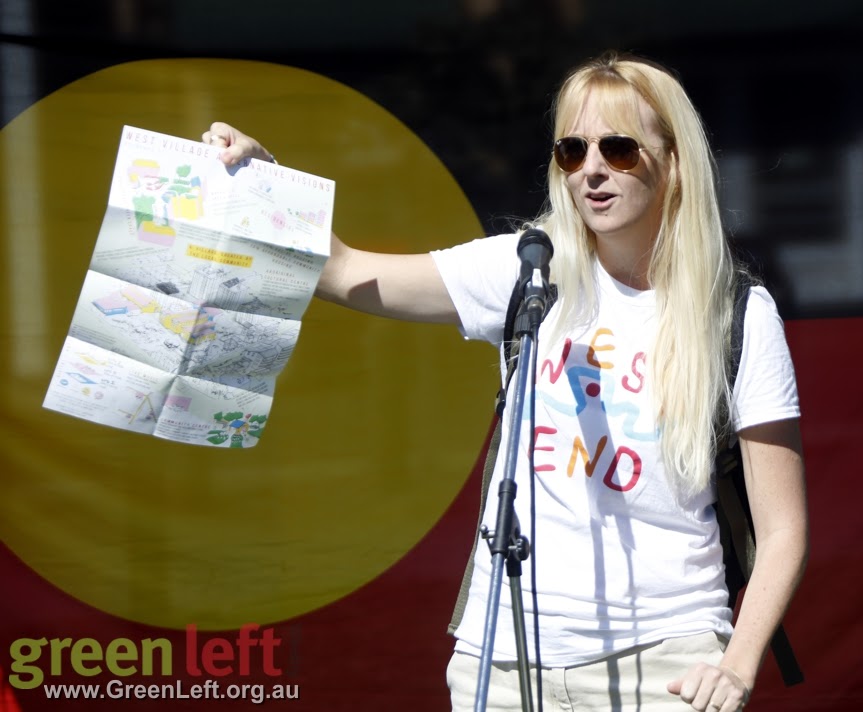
(599, 199)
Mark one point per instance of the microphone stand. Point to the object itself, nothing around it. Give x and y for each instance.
(506, 542)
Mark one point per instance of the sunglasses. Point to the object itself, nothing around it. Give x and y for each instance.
(622, 153)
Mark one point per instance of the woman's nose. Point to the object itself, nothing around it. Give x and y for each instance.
(594, 163)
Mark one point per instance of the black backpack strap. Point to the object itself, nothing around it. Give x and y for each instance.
(510, 357)
(737, 531)
(733, 514)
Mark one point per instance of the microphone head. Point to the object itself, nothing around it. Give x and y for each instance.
(535, 251)
(535, 236)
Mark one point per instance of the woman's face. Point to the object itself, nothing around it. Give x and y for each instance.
(621, 208)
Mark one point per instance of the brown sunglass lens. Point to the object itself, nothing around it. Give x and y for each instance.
(570, 152)
(621, 152)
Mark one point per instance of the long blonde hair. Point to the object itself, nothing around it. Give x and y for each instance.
(691, 268)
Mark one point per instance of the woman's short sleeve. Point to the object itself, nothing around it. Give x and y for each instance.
(766, 386)
(480, 276)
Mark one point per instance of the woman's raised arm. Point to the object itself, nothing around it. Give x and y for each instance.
(407, 287)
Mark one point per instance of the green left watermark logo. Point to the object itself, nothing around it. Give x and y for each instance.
(39, 662)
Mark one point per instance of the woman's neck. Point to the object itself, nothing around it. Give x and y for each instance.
(628, 264)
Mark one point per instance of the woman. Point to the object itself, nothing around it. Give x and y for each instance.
(632, 605)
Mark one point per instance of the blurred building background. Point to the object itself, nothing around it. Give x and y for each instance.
(778, 84)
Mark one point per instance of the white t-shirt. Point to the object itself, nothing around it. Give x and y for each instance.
(620, 560)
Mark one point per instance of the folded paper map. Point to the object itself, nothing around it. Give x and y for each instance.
(192, 303)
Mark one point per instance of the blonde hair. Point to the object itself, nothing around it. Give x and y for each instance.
(690, 267)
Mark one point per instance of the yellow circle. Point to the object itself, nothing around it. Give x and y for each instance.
(375, 423)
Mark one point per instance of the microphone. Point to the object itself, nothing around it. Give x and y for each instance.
(535, 251)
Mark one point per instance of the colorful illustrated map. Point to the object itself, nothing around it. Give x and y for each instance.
(196, 288)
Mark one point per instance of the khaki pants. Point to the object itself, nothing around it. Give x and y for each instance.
(632, 681)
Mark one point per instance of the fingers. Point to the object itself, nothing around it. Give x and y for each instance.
(215, 139)
(225, 137)
(235, 144)
(219, 134)
(708, 688)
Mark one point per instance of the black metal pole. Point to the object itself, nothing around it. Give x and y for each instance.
(502, 540)
(506, 543)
